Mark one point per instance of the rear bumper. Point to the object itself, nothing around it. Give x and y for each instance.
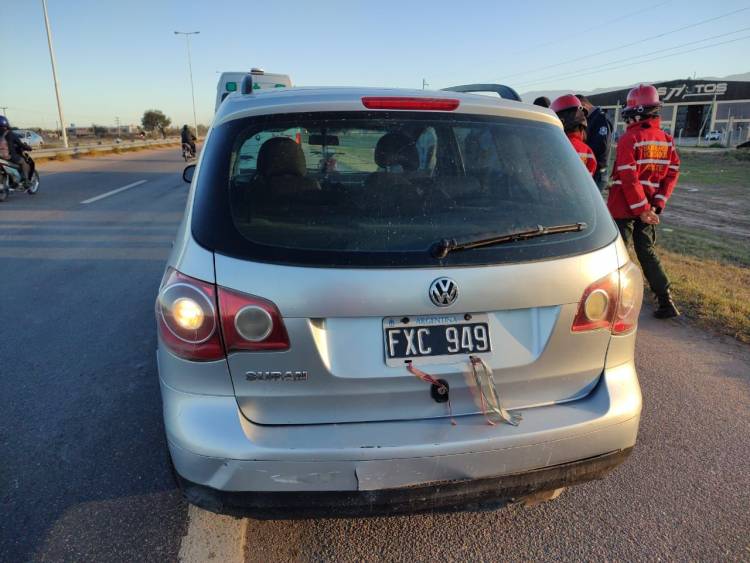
(476, 494)
(219, 455)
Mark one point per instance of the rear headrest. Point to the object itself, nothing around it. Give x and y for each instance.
(281, 156)
(396, 148)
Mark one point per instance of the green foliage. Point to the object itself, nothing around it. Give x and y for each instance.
(722, 168)
(154, 119)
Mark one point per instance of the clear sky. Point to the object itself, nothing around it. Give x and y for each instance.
(118, 58)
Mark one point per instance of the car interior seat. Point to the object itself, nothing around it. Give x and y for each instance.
(397, 157)
(282, 169)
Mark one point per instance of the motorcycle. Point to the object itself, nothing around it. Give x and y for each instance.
(187, 152)
(10, 178)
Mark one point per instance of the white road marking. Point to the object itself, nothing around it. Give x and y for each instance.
(212, 537)
(113, 192)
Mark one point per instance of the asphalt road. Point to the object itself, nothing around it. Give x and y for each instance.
(83, 469)
(84, 474)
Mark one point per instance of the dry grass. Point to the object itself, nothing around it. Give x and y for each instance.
(96, 153)
(713, 294)
(704, 245)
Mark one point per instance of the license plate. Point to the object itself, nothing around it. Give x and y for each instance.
(434, 339)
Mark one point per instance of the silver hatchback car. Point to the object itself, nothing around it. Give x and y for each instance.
(388, 300)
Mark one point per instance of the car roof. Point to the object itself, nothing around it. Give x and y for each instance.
(315, 99)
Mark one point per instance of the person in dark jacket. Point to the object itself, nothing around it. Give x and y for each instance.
(187, 137)
(599, 138)
(15, 148)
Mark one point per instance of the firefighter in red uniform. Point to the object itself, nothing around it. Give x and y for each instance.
(645, 173)
(570, 111)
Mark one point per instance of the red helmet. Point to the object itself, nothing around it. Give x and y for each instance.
(643, 103)
(568, 101)
(570, 111)
(643, 95)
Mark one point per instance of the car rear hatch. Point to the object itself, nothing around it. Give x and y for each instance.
(334, 218)
(335, 321)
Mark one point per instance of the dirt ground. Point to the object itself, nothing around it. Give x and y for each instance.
(712, 195)
(722, 210)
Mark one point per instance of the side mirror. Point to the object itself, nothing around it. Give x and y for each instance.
(188, 173)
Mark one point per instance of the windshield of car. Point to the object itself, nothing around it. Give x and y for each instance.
(390, 184)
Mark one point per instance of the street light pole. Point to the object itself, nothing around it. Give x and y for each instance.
(54, 74)
(187, 35)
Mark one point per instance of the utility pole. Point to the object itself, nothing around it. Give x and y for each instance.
(5, 110)
(424, 84)
(614, 133)
(187, 35)
(54, 74)
(117, 122)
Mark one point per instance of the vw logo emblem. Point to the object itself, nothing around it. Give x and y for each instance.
(443, 292)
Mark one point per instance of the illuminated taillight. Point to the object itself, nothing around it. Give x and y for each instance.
(187, 318)
(612, 302)
(407, 103)
(250, 323)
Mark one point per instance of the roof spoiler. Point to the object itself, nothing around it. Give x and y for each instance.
(505, 92)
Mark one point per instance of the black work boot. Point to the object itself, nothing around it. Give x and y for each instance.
(666, 308)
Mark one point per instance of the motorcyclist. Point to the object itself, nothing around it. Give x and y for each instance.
(188, 138)
(570, 111)
(12, 148)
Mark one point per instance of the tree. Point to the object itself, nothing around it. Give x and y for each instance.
(154, 119)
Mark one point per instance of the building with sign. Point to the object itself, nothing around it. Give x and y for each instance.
(693, 108)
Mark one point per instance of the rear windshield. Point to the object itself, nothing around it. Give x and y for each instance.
(380, 189)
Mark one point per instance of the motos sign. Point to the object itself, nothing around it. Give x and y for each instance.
(685, 91)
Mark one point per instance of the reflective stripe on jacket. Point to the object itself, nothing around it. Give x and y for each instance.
(584, 151)
(645, 172)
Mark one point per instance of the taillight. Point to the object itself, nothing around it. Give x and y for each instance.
(631, 298)
(250, 323)
(612, 302)
(598, 304)
(187, 318)
(407, 103)
(192, 322)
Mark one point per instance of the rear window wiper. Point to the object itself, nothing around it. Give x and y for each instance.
(443, 247)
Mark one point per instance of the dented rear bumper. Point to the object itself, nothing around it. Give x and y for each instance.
(228, 464)
(467, 494)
